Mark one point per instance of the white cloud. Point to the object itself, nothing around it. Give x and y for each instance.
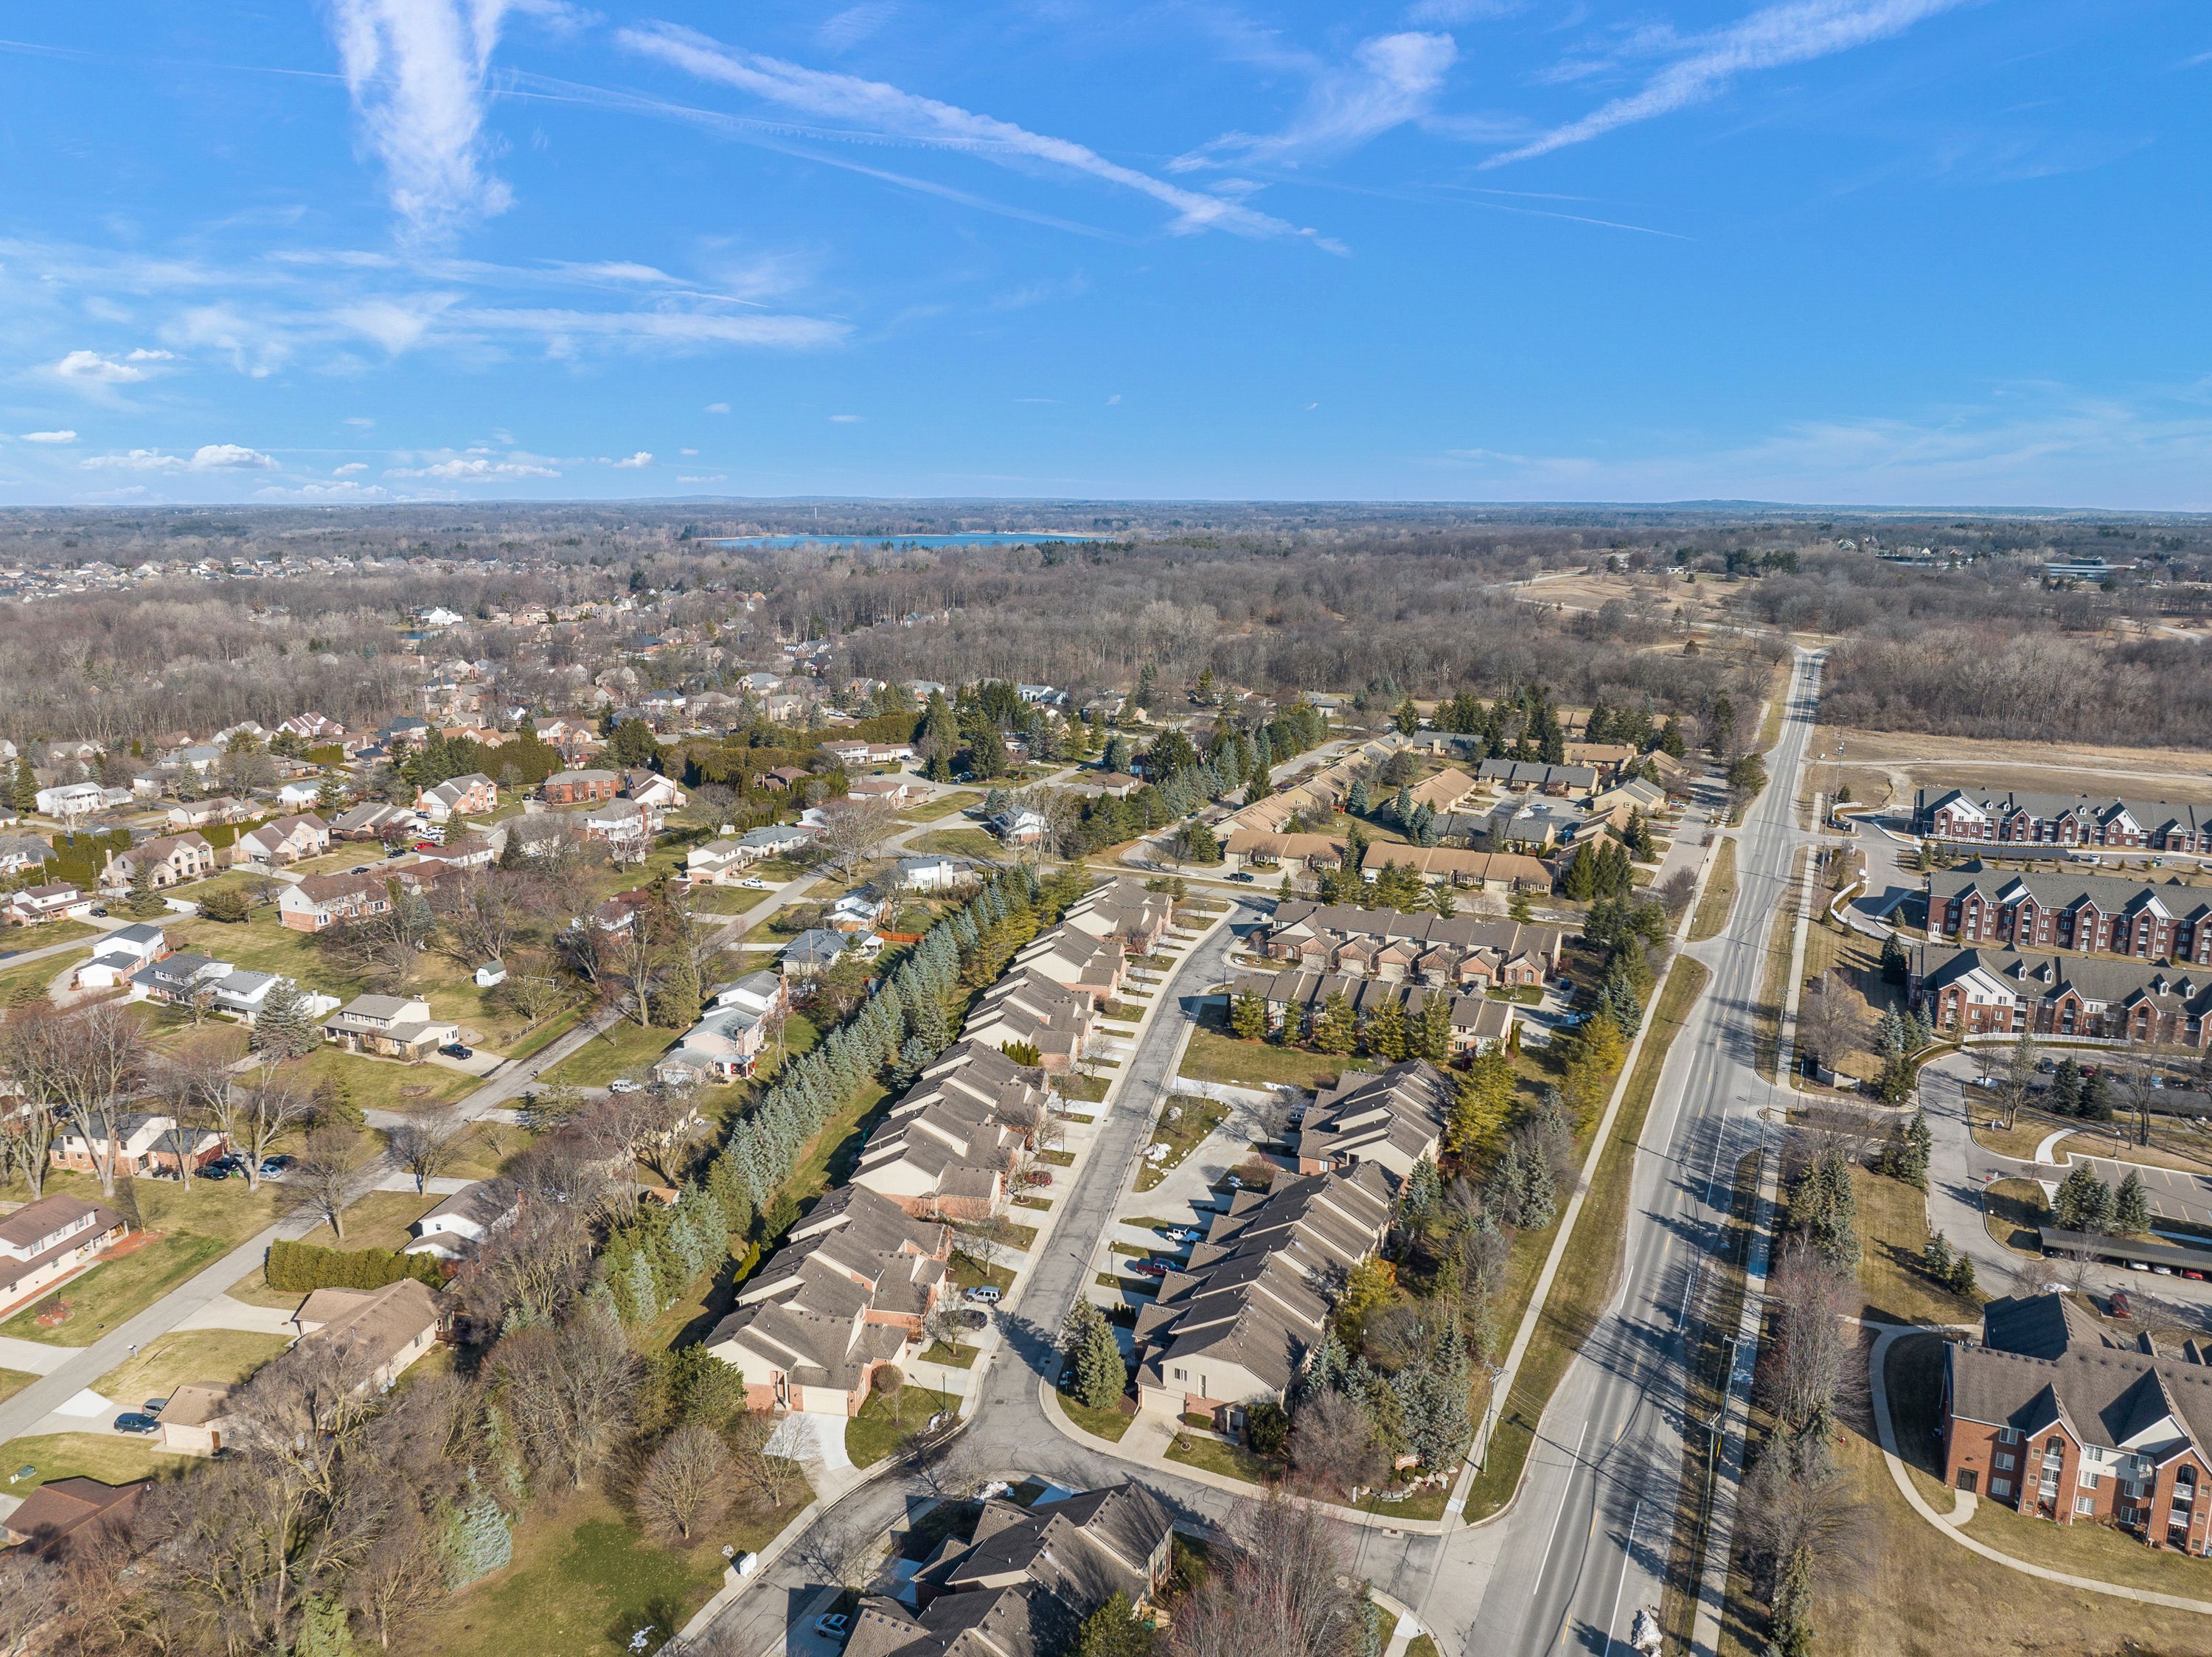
(137, 459)
(50, 437)
(845, 419)
(351, 468)
(416, 69)
(361, 421)
(1795, 32)
(711, 478)
(842, 31)
(615, 270)
(885, 109)
(92, 368)
(395, 325)
(1115, 399)
(637, 462)
(717, 408)
(230, 457)
(340, 491)
(142, 355)
(1448, 12)
(1392, 79)
(475, 469)
(656, 330)
(687, 453)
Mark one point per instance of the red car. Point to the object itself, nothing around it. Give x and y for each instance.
(1149, 1267)
(2118, 1304)
(1038, 1177)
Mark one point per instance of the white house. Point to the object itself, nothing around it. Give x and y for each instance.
(454, 1229)
(72, 800)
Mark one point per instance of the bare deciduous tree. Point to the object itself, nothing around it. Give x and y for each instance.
(429, 1141)
(1816, 1352)
(1286, 1589)
(568, 1388)
(1332, 1446)
(772, 1477)
(685, 1485)
(324, 1181)
(853, 830)
(98, 1057)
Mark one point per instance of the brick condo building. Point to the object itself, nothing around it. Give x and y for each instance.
(2055, 1416)
(2062, 910)
(1983, 991)
(1461, 951)
(2012, 817)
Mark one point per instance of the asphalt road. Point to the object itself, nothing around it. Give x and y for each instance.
(1587, 1539)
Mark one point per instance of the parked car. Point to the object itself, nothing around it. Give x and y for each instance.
(2118, 1305)
(1039, 1176)
(833, 1624)
(154, 1406)
(395, 851)
(1243, 878)
(132, 1421)
(274, 1164)
(101, 909)
(754, 883)
(359, 869)
(455, 1050)
(984, 1295)
(1149, 1267)
(1180, 1235)
(426, 845)
(624, 1085)
(971, 1319)
(211, 1171)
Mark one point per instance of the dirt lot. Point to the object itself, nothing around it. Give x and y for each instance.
(1905, 758)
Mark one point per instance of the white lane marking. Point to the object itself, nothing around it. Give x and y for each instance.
(1627, 1558)
(1544, 1565)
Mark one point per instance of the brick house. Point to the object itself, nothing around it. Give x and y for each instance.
(473, 796)
(285, 840)
(1987, 992)
(321, 900)
(45, 1241)
(141, 1143)
(57, 900)
(2013, 817)
(170, 861)
(1467, 953)
(392, 1026)
(2054, 1416)
(2061, 910)
(582, 788)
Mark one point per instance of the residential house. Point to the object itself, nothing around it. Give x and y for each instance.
(56, 901)
(1025, 1580)
(2055, 1416)
(899, 791)
(300, 793)
(845, 1296)
(68, 799)
(1478, 1021)
(1451, 865)
(2017, 817)
(2062, 910)
(1443, 792)
(812, 952)
(473, 796)
(139, 1142)
(48, 1240)
(1521, 774)
(1246, 848)
(1459, 952)
(469, 850)
(857, 911)
(212, 986)
(651, 788)
(321, 900)
(169, 861)
(1123, 910)
(579, 788)
(58, 1514)
(379, 1332)
(375, 819)
(284, 840)
(1521, 821)
(732, 1032)
(2000, 992)
(121, 953)
(313, 728)
(454, 1229)
(20, 852)
(1074, 959)
(203, 813)
(950, 1145)
(1026, 1008)
(1238, 1322)
(391, 1025)
(1637, 793)
(935, 871)
(625, 827)
(1608, 760)
(1393, 1119)
(1112, 785)
(1018, 825)
(197, 1419)
(777, 840)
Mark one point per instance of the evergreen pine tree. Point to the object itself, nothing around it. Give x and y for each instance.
(2131, 1206)
(476, 1537)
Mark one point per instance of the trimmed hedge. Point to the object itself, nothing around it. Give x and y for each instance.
(298, 1268)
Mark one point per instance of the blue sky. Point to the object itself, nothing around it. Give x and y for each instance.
(1916, 251)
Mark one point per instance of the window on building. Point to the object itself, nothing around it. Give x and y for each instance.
(2083, 1504)
(2001, 1487)
(2005, 1460)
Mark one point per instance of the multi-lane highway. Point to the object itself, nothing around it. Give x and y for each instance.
(1586, 1542)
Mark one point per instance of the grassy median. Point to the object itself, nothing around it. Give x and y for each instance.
(1719, 896)
(1592, 1259)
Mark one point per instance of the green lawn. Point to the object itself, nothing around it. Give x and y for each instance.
(191, 1231)
(930, 811)
(1587, 1269)
(618, 1051)
(110, 1460)
(1893, 1231)
(378, 1220)
(38, 974)
(960, 842)
(1720, 894)
(883, 1424)
(382, 1084)
(1108, 1424)
(13, 1381)
(1215, 1056)
(1198, 1118)
(583, 1580)
(168, 1362)
(1229, 1460)
(53, 932)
